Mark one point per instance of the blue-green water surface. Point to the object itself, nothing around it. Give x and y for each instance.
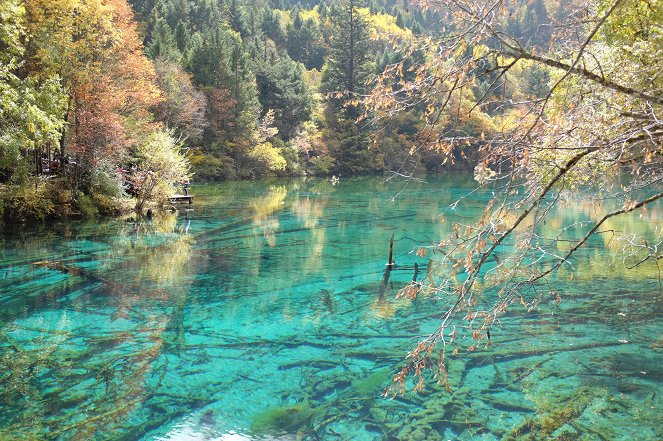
(259, 316)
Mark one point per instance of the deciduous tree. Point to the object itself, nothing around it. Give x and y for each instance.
(161, 165)
(184, 107)
(596, 123)
(31, 106)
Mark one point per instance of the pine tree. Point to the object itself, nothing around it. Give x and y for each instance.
(254, 15)
(536, 81)
(182, 37)
(219, 61)
(173, 11)
(344, 78)
(416, 28)
(283, 88)
(271, 27)
(205, 14)
(314, 47)
(399, 20)
(142, 8)
(237, 17)
(348, 65)
(305, 43)
(162, 44)
(541, 32)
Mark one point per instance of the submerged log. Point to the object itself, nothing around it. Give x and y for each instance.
(390, 264)
(544, 423)
(59, 266)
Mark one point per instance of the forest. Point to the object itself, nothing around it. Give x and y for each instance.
(100, 95)
(441, 219)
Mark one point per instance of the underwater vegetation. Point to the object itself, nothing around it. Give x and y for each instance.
(236, 321)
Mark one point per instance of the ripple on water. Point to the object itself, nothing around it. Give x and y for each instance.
(259, 316)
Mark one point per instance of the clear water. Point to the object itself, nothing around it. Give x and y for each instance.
(259, 316)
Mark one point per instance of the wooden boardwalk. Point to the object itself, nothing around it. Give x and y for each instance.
(181, 199)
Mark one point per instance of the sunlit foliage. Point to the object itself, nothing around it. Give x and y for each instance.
(565, 101)
(161, 166)
(31, 108)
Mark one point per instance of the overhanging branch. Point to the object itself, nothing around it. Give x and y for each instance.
(523, 54)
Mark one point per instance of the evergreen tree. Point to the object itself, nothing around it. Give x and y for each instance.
(173, 11)
(282, 88)
(348, 65)
(541, 32)
(323, 10)
(218, 60)
(416, 28)
(205, 14)
(399, 20)
(243, 87)
(206, 57)
(305, 43)
(536, 81)
(237, 17)
(254, 14)
(344, 78)
(271, 27)
(348, 144)
(162, 44)
(182, 37)
(143, 8)
(314, 47)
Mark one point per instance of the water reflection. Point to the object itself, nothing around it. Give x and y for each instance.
(259, 315)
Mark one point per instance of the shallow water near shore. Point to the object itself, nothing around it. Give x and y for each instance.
(258, 315)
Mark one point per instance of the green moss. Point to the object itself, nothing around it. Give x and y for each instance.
(287, 418)
(550, 420)
(371, 384)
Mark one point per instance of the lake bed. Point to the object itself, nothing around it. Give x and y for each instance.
(259, 315)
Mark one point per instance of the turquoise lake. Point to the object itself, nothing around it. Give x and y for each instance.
(258, 315)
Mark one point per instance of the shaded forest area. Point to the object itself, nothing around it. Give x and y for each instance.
(103, 98)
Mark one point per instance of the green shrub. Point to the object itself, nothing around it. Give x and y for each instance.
(268, 157)
(206, 167)
(105, 181)
(293, 165)
(28, 202)
(85, 206)
(321, 165)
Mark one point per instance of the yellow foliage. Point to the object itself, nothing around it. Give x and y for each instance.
(306, 14)
(384, 27)
(284, 18)
(267, 205)
(268, 155)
